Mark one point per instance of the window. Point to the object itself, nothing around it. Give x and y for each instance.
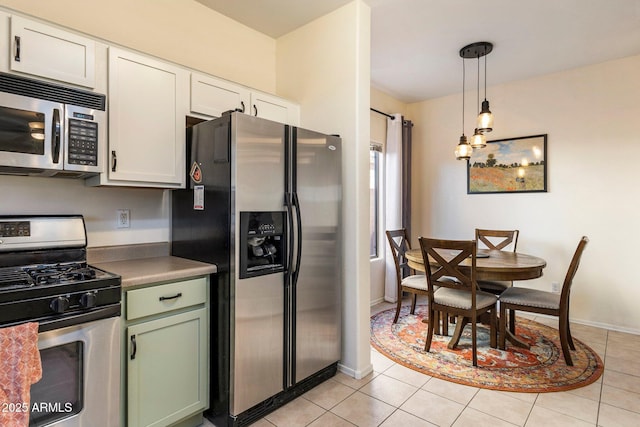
(374, 199)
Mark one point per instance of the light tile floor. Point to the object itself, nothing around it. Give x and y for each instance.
(395, 396)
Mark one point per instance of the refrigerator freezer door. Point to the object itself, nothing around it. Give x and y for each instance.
(318, 289)
(257, 184)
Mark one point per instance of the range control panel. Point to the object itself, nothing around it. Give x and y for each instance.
(15, 228)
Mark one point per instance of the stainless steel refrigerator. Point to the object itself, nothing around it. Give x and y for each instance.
(263, 203)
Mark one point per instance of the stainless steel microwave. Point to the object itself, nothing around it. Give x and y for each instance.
(50, 130)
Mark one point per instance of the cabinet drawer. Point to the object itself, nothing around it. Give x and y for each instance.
(164, 298)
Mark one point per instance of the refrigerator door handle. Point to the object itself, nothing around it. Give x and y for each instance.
(288, 271)
(296, 203)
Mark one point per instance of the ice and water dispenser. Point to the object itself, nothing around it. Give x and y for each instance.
(262, 243)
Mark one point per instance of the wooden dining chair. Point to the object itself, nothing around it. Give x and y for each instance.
(406, 278)
(497, 240)
(458, 291)
(543, 302)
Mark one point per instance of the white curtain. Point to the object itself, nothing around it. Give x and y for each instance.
(393, 199)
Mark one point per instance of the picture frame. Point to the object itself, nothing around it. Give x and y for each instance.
(512, 165)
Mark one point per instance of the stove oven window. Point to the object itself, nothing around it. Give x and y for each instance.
(58, 395)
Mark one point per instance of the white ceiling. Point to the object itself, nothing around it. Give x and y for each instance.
(415, 43)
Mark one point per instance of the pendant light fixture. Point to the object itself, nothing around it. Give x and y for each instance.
(478, 140)
(485, 118)
(463, 149)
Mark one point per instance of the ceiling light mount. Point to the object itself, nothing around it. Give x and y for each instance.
(476, 50)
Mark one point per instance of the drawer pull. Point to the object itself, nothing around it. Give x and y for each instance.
(178, 295)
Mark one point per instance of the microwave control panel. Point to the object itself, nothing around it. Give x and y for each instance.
(83, 142)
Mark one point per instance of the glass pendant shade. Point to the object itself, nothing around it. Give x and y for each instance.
(463, 149)
(485, 118)
(478, 140)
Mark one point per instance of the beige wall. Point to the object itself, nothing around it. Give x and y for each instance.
(185, 32)
(591, 117)
(325, 67)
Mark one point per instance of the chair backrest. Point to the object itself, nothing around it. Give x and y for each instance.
(444, 268)
(399, 243)
(497, 239)
(573, 268)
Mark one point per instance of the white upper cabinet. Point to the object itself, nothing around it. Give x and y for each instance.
(212, 97)
(41, 50)
(274, 108)
(148, 103)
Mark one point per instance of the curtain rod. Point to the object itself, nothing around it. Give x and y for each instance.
(384, 114)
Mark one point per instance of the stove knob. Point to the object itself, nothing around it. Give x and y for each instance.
(88, 300)
(59, 305)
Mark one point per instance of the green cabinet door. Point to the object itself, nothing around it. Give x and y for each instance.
(167, 369)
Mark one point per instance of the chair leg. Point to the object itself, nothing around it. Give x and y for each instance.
(474, 344)
(413, 303)
(430, 326)
(569, 337)
(493, 328)
(512, 321)
(398, 307)
(502, 335)
(445, 323)
(563, 328)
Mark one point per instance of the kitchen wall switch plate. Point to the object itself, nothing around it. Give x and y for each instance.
(555, 287)
(122, 218)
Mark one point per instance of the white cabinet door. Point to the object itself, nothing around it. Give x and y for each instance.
(212, 97)
(148, 102)
(167, 374)
(274, 108)
(45, 51)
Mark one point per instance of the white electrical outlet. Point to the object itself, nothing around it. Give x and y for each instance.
(122, 218)
(555, 287)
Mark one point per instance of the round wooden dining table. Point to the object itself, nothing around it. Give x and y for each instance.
(490, 265)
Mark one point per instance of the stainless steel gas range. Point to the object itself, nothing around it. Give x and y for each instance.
(44, 278)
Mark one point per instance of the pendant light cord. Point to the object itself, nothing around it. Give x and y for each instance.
(478, 85)
(485, 75)
(463, 79)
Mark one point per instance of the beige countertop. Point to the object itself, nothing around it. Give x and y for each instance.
(153, 265)
(143, 271)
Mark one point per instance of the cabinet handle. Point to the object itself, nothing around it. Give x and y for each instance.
(178, 295)
(17, 55)
(255, 109)
(242, 103)
(134, 347)
(114, 161)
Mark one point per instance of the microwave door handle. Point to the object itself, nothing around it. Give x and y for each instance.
(55, 136)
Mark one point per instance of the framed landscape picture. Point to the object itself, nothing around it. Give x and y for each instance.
(515, 165)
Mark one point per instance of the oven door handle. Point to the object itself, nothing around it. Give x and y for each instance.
(77, 319)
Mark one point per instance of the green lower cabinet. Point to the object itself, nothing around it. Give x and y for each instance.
(167, 354)
(167, 369)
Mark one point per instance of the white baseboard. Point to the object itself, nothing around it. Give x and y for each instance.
(357, 374)
(600, 325)
(377, 301)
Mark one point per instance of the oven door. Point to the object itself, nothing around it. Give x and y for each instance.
(31, 132)
(80, 383)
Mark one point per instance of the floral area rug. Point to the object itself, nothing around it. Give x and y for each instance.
(540, 369)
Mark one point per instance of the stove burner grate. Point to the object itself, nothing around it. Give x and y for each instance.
(11, 279)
